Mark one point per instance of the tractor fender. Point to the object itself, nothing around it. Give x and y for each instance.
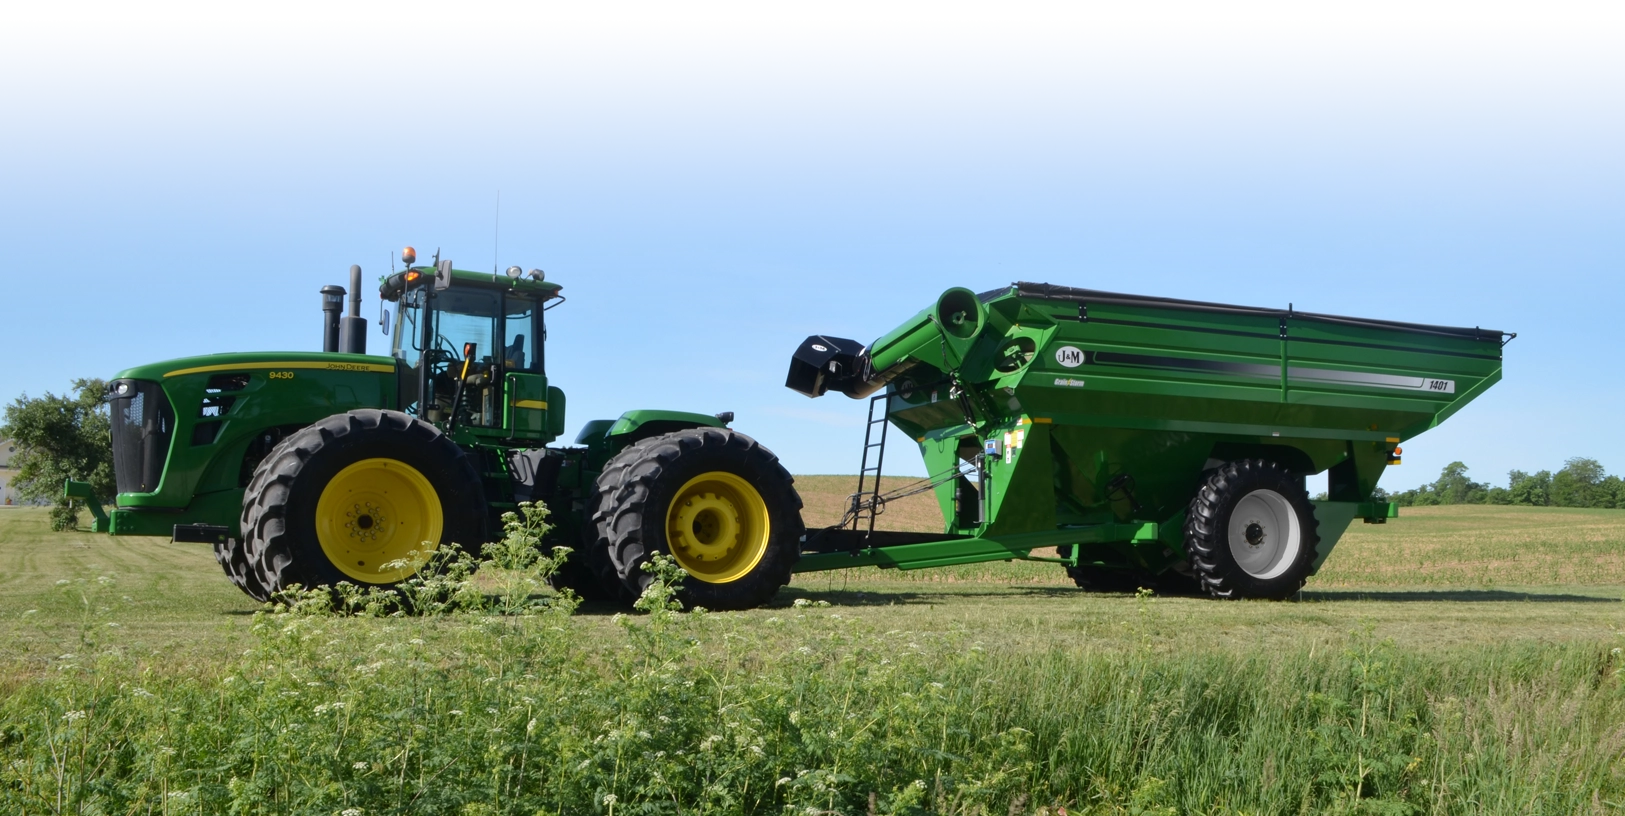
(615, 434)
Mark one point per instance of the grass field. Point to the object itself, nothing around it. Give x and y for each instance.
(1458, 659)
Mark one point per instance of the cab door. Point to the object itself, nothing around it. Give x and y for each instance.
(528, 406)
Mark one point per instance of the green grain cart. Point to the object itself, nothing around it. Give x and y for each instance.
(1152, 442)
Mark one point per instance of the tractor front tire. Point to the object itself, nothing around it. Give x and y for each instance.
(714, 500)
(1251, 532)
(342, 498)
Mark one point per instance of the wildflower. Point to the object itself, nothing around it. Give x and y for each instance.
(416, 641)
(802, 603)
(74, 716)
(530, 727)
(456, 712)
(783, 780)
(112, 625)
(919, 784)
(491, 711)
(350, 812)
(142, 693)
(804, 650)
(360, 766)
(609, 799)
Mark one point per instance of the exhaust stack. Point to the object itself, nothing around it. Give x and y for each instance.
(332, 308)
(353, 327)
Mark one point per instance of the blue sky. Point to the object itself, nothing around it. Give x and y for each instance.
(713, 182)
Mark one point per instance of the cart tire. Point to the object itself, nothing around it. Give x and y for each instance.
(341, 497)
(1101, 579)
(725, 500)
(1251, 532)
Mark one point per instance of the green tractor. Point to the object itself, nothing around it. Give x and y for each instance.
(314, 468)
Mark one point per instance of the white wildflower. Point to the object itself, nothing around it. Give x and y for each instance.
(351, 812)
(360, 766)
(74, 716)
(783, 780)
(456, 712)
(919, 784)
(609, 799)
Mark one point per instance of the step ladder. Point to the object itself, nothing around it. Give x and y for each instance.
(866, 502)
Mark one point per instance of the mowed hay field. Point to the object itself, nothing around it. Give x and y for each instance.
(1454, 660)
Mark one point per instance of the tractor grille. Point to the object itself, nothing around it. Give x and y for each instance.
(142, 425)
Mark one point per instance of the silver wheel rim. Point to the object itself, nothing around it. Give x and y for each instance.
(1265, 536)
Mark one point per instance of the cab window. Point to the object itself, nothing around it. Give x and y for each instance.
(519, 346)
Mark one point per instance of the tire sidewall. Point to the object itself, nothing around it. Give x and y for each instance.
(1291, 579)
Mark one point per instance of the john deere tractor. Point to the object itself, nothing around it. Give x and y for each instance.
(313, 468)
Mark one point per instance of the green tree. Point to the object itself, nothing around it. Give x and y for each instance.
(1578, 484)
(1453, 486)
(1612, 490)
(1530, 490)
(60, 438)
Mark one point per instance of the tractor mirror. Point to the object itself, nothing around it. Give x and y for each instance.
(442, 275)
(383, 321)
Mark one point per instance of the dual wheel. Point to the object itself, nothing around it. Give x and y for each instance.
(714, 500)
(1250, 532)
(362, 497)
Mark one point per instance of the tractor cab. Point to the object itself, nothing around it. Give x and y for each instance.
(471, 352)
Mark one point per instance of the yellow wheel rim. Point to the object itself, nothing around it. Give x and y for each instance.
(375, 512)
(717, 527)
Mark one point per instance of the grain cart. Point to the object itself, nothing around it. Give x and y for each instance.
(1152, 442)
(319, 467)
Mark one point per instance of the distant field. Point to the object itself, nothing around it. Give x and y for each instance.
(1454, 660)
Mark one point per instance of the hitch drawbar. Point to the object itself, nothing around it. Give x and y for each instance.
(200, 534)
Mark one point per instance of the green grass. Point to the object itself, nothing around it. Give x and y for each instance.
(1455, 660)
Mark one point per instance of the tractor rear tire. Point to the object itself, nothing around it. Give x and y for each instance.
(339, 499)
(1251, 532)
(714, 500)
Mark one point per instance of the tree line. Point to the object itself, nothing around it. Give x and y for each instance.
(1581, 483)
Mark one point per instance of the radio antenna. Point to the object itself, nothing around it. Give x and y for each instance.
(496, 234)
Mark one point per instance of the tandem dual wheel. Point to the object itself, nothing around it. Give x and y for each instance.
(1250, 533)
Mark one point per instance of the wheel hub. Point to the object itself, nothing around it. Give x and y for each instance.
(717, 527)
(706, 527)
(376, 512)
(1265, 534)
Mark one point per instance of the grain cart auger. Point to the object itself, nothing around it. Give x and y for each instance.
(316, 468)
(1152, 442)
